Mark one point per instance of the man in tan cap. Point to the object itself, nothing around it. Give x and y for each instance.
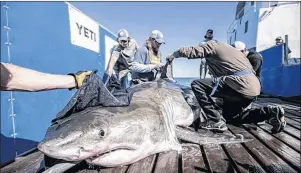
(147, 59)
(122, 57)
(279, 41)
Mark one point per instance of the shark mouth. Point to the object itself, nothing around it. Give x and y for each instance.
(103, 154)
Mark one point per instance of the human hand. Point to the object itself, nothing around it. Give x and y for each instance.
(170, 58)
(110, 72)
(158, 66)
(80, 77)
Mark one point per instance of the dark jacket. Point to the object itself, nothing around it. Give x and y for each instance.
(255, 59)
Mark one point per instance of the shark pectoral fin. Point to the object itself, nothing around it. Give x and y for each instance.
(239, 138)
(242, 138)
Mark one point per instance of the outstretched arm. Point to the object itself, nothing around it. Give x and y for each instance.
(194, 52)
(114, 57)
(16, 78)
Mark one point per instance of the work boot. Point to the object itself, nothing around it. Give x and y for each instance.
(219, 126)
(278, 120)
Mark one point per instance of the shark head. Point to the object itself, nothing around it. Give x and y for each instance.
(115, 136)
(77, 138)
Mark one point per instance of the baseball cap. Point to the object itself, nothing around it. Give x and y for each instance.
(158, 36)
(122, 35)
(239, 45)
(279, 38)
(209, 34)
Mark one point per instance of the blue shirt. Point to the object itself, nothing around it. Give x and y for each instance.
(141, 67)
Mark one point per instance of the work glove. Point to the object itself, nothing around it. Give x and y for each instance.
(158, 66)
(170, 58)
(79, 78)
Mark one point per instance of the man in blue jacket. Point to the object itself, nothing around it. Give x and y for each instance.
(147, 60)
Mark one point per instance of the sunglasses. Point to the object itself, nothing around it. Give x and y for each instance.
(159, 44)
(123, 41)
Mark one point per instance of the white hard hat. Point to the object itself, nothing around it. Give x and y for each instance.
(239, 45)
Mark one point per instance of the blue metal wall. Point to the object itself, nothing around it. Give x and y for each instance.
(278, 79)
(40, 39)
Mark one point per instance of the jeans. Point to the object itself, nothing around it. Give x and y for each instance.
(126, 81)
(233, 105)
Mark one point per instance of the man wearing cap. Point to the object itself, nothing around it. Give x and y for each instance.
(121, 58)
(254, 57)
(234, 82)
(280, 41)
(208, 36)
(147, 59)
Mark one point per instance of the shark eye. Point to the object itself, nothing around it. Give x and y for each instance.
(101, 133)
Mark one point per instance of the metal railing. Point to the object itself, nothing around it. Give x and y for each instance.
(286, 50)
(11, 98)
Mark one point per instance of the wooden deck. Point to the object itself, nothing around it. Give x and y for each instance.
(265, 153)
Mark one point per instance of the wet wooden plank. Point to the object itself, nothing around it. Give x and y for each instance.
(293, 118)
(276, 101)
(25, 164)
(287, 139)
(218, 161)
(268, 160)
(86, 171)
(83, 167)
(120, 169)
(294, 113)
(243, 161)
(192, 159)
(283, 151)
(293, 123)
(145, 165)
(292, 109)
(167, 162)
(292, 131)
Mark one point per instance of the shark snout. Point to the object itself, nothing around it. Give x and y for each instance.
(69, 154)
